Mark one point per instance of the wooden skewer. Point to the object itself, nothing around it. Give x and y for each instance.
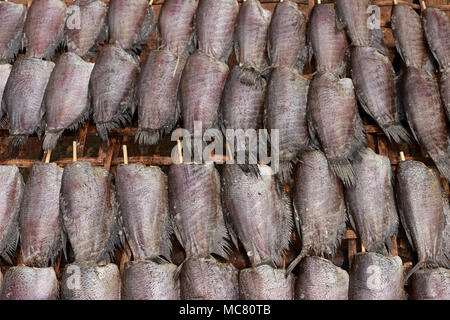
(395, 2)
(423, 5)
(229, 151)
(125, 154)
(319, 1)
(151, 3)
(402, 156)
(180, 151)
(74, 151)
(47, 157)
(363, 250)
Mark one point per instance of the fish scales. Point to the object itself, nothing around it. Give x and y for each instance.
(431, 284)
(12, 20)
(5, 71)
(436, 25)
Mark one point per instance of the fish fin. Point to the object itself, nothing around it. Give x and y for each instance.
(147, 137)
(359, 142)
(396, 132)
(295, 262)
(17, 141)
(51, 139)
(343, 170)
(377, 40)
(227, 221)
(147, 28)
(119, 120)
(176, 274)
(397, 44)
(64, 216)
(443, 165)
(81, 119)
(285, 171)
(286, 227)
(302, 59)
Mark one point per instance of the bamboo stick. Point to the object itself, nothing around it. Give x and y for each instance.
(47, 157)
(180, 151)
(423, 5)
(402, 156)
(125, 154)
(74, 151)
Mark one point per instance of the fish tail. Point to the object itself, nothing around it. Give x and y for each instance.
(147, 137)
(17, 141)
(295, 262)
(398, 133)
(51, 139)
(443, 165)
(343, 169)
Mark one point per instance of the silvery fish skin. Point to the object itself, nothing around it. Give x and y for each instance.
(421, 209)
(426, 116)
(373, 78)
(86, 27)
(444, 253)
(371, 201)
(286, 105)
(431, 284)
(320, 219)
(89, 211)
(436, 25)
(328, 43)
(157, 92)
(176, 26)
(144, 208)
(146, 280)
(88, 281)
(376, 277)
(12, 20)
(130, 22)
(26, 283)
(320, 279)
(287, 36)
(5, 70)
(23, 97)
(252, 35)
(215, 21)
(410, 38)
(66, 100)
(39, 221)
(265, 283)
(196, 208)
(10, 198)
(201, 87)
(44, 28)
(207, 279)
(258, 212)
(334, 122)
(112, 88)
(444, 85)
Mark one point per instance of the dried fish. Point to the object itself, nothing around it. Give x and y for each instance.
(444, 85)
(431, 284)
(436, 25)
(5, 70)
(12, 20)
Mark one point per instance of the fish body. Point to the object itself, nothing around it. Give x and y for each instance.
(39, 222)
(426, 116)
(444, 86)
(376, 277)
(89, 211)
(10, 198)
(328, 43)
(320, 279)
(431, 284)
(436, 25)
(207, 279)
(44, 28)
(87, 28)
(12, 20)
(27, 283)
(23, 97)
(258, 212)
(88, 281)
(265, 283)
(144, 208)
(5, 70)
(371, 201)
(146, 280)
(130, 22)
(373, 78)
(112, 88)
(66, 100)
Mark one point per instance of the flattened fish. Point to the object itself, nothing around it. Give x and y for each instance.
(87, 27)
(287, 36)
(144, 207)
(319, 207)
(26, 283)
(23, 97)
(410, 38)
(286, 104)
(146, 280)
(207, 279)
(12, 20)
(436, 25)
(328, 43)
(259, 214)
(426, 116)
(320, 279)
(444, 85)
(66, 100)
(89, 211)
(252, 35)
(421, 209)
(112, 88)
(371, 201)
(265, 283)
(88, 281)
(215, 22)
(176, 26)
(201, 88)
(198, 220)
(334, 122)
(373, 78)
(130, 22)
(5, 70)
(10, 199)
(44, 28)
(157, 92)
(39, 221)
(376, 277)
(431, 284)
